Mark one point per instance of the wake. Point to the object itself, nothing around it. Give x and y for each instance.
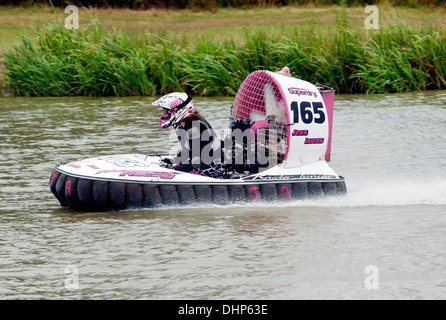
(388, 193)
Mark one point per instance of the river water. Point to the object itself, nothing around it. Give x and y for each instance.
(385, 240)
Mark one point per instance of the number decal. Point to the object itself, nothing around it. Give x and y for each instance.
(318, 108)
(295, 109)
(306, 113)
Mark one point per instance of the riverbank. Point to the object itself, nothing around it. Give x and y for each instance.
(119, 52)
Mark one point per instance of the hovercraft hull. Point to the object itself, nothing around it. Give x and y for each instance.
(134, 181)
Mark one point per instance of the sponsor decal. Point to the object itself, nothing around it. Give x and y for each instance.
(74, 165)
(318, 176)
(54, 176)
(68, 187)
(254, 193)
(123, 161)
(285, 193)
(141, 173)
(302, 91)
(176, 103)
(292, 177)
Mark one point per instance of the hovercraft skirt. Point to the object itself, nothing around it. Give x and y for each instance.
(99, 195)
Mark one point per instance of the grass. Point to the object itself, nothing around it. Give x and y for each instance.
(222, 26)
(153, 52)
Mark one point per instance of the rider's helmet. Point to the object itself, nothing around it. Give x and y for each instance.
(176, 106)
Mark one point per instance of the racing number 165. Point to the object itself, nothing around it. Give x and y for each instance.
(308, 112)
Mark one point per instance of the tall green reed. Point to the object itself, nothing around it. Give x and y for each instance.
(68, 62)
(399, 59)
(92, 62)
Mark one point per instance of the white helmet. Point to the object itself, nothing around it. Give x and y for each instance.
(176, 106)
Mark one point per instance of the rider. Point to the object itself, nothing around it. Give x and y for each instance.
(200, 146)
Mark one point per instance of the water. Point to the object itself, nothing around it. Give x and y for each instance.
(384, 240)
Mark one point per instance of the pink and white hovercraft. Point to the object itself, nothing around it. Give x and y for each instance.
(286, 129)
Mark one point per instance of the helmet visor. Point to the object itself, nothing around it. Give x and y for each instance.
(166, 119)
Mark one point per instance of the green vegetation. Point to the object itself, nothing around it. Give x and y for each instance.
(98, 60)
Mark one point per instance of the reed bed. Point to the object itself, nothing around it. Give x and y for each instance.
(93, 62)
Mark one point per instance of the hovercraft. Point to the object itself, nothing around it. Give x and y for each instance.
(278, 149)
